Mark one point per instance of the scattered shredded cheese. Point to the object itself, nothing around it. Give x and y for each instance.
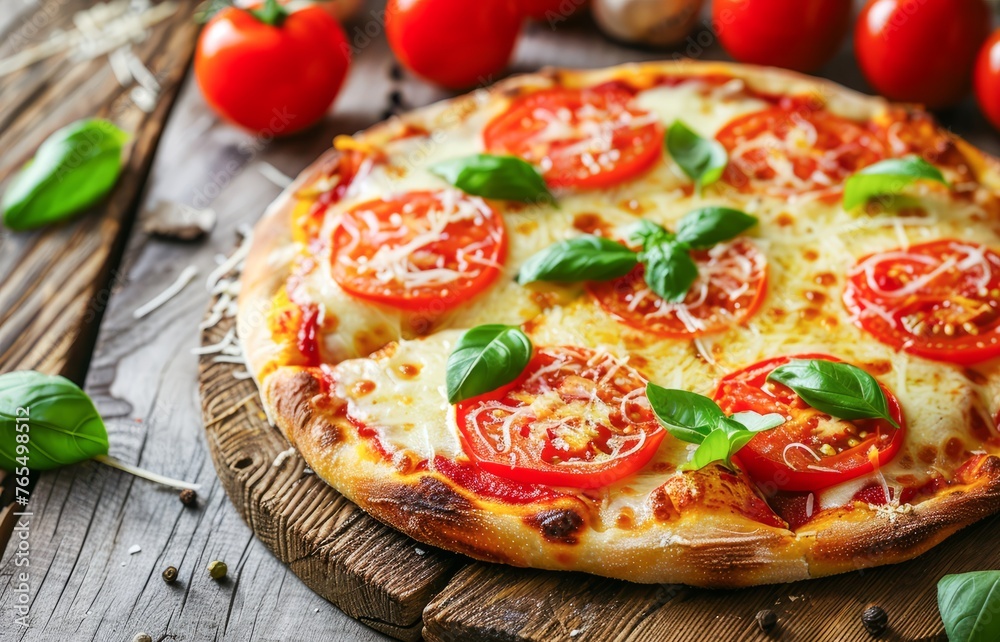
(275, 175)
(173, 290)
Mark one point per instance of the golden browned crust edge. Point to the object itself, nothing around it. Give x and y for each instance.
(703, 549)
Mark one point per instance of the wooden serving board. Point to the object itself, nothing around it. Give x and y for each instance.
(406, 589)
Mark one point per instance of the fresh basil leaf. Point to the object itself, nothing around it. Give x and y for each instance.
(887, 178)
(737, 434)
(647, 233)
(756, 422)
(506, 178)
(46, 422)
(696, 419)
(73, 169)
(584, 258)
(702, 159)
(970, 606)
(705, 227)
(485, 358)
(715, 447)
(687, 416)
(670, 270)
(838, 389)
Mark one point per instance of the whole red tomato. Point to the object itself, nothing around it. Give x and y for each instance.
(271, 71)
(454, 43)
(921, 51)
(987, 79)
(795, 34)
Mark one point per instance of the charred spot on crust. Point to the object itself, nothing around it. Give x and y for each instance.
(557, 524)
(429, 496)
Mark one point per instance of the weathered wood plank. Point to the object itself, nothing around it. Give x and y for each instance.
(88, 516)
(492, 603)
(144, 382)
(370, 571)
(56, 280)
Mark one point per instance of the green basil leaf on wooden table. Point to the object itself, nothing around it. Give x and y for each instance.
(670, 270)
(709, 226)
(888, 178)
(702, 159)
(838, 389)
(970, 606)
(506, 178)
(46, 422)
(485, 358)
(584, 258)
(73, 169)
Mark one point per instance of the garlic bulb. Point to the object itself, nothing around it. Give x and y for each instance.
(660, 23)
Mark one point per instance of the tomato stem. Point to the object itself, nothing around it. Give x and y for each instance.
(271, 13)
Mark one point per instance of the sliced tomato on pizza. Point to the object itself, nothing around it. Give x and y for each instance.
(939, 300)
(580, 138)
(421, 251)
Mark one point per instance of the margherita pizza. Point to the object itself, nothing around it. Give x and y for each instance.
(678, 322)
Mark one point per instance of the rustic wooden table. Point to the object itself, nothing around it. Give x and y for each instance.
(66, 300)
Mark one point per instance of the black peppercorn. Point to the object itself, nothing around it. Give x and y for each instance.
(396, 72)
(766, 619)
(170, 574)
(875, 620)
(396, 97)
(188, 497)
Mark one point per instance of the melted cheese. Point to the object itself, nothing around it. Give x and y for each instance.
(809, 248)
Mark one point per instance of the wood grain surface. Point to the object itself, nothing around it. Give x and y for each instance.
(86, 586)
(144, 379)
(370, 571)
(57, 280)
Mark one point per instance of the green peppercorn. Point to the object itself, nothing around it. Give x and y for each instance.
(217, 569)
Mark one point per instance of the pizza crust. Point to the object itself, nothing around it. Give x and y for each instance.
(707, 548)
